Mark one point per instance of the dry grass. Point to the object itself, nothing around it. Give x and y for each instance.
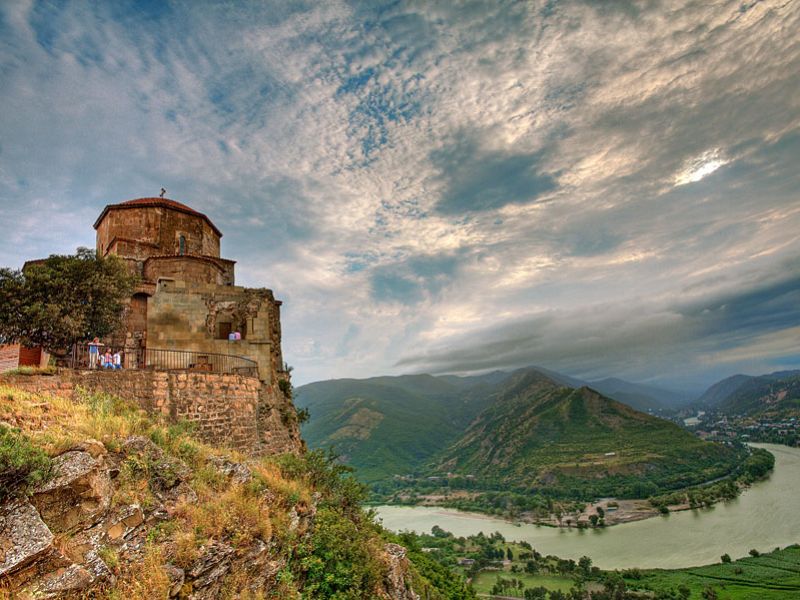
(233, 514)
(56, 423)
(237, 514)
(290, 491)
(145, 580)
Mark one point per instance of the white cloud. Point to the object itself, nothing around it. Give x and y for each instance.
(308, 136)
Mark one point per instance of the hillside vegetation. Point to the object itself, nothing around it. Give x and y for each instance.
(99, 499)
(537, 435)
(388, 425)
(506, 443)
(773, 394)
(508, 569)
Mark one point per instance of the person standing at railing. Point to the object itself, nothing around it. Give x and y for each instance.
(108, 359)
(94, 352)
(117, 360)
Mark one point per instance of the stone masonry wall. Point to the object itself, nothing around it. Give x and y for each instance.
(224, 408)
(9, 357)
(278, 428)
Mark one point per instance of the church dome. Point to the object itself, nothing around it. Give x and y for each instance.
(155, 202)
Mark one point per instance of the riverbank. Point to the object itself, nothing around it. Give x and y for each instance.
(605, 512)
(501, 568)
(763, 517)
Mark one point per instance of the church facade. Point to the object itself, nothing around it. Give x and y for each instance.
(187, 299)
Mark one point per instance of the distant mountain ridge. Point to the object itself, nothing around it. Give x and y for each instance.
(493, 426)
(639, 396)
(753, 395)
(538, 434)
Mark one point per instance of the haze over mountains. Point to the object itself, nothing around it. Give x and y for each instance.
(528, 427)
(753, 395)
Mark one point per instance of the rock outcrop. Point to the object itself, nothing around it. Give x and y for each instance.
(73, 536)
(396, 580)
(77, 496)
(24, 538)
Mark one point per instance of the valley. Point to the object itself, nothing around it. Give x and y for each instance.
(762, 517)
(524, 445)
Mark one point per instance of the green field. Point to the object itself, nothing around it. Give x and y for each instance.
(483, 581)
(770, 576)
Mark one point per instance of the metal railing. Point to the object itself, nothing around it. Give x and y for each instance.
(167, 360)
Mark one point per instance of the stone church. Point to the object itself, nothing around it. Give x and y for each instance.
(180, 357)
(186, 299)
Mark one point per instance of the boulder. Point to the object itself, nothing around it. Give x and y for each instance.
(123, 520)
(236, 472)
(73, 578)
(176, 578)
(209, 570)
(262, 567)
(92, 446)
(77, 496)
(395, 584)
(24, 538)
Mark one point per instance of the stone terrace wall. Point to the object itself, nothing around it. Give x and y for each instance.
(278, 429)
(9, 357)
(224, 408)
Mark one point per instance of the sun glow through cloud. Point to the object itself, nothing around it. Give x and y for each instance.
(701, 166)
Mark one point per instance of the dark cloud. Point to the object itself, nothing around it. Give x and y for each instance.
(763, 309)
(413, 280)
(610, 339)
(477, 179)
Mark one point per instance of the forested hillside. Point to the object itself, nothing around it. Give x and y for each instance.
(520, 431)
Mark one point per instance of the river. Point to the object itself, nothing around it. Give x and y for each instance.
(763, 517)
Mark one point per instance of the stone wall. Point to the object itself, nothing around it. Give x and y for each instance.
(227, 410)
(185, 315)
(9, 357)
(198, 269)
(277, 421)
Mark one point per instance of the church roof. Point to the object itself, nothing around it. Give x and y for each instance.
(155, 202)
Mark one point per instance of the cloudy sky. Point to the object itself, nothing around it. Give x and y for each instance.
(601, 188)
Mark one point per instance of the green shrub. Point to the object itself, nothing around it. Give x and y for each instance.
(285, 387)
(340, 560)
(22, 465)
(31, 371)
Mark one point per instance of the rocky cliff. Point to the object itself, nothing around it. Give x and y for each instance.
(101, 500)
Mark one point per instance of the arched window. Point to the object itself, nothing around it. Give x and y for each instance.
(182, 245)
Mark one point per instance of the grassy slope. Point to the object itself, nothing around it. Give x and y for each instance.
(762, 395)
(773, 576)
(538, 433)
(386, 425)
(340, 551)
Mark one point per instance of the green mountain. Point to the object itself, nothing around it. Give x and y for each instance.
(517, 430)
(763, 395)
(537, 434)
(717, 393)
(773, 393)
(388, 426)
